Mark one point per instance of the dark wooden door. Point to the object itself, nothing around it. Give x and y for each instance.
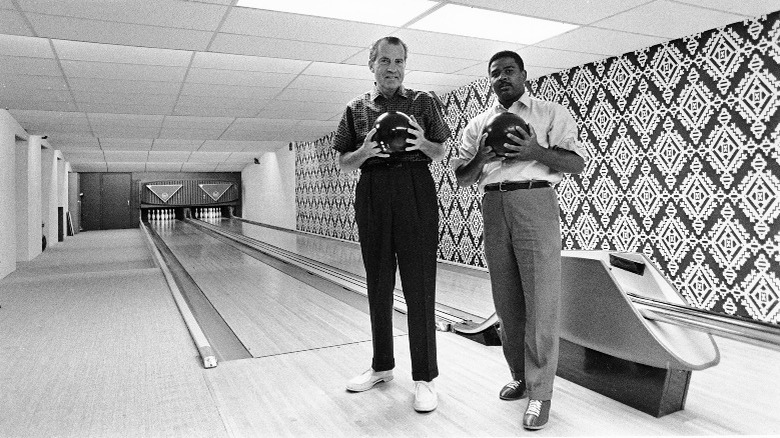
(115, 201)
(106, 201)
(90, 202)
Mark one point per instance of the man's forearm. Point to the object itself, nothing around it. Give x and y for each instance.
(349, 161)
(467, 173)
(561, 160)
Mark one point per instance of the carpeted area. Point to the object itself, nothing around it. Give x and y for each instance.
(102, 353)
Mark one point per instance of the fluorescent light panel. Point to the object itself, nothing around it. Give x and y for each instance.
(395, 13)
(481, 23)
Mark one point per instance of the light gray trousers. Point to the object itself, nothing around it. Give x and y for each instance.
(523, 252)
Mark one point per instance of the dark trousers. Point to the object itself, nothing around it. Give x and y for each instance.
(398, 219)
(523, 252)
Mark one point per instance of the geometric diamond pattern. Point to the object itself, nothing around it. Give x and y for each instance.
(684, 140)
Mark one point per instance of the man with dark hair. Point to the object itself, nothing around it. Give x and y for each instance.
(522, 227)
(397, 216)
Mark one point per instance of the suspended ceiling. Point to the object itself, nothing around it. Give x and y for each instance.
(207, 86)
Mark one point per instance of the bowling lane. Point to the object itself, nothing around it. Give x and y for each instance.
(457, 287)
(269, 311)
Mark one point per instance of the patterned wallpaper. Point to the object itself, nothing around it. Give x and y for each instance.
(685, 168)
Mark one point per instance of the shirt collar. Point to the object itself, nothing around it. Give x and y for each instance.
(524, 101)
(401, 92)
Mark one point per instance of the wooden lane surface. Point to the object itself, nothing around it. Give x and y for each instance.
(269, 311)
(459, 288)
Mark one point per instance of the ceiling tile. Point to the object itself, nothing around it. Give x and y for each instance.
(84, 156)
(142, 120)
(668, 19)
(263, 146)
(156, 100)
(278, 48)
(451, 80)
(28, 104)
(139, 156)
(121, 108)
(567, 11)
(241, 157)
(168, 156)
(233, 77)
(12, 23)
(137, 144)
(226, 61)
(36, 95)
(198, 167)
(315, 96)
(33, 82)
(125, 132)
(176, 145)
(302, 113)
(230, 167)
(52, 120)
(96, 85)
(263, 123)
(163, 167)
(17, 65)
(218, 2)
(256, 22)
(210, 111)
(125, 167)
(338, 70)
(89, 167)
(601, 41)
(356, 86)
(124, 72)
(553, 58)
(68, 142)
(14, 45)
(83, 51)
(438, 44)
(748, 8)
(161, 13)
(208, 123)
(78, 29)
(223, 146)
(189, 134)
(208, 157)
(230, 91)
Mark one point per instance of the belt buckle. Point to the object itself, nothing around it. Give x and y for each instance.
(501, 187)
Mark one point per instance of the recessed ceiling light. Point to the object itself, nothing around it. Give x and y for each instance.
(395, 13)
(481, 23)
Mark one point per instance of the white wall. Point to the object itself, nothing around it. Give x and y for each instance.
(10, 130)
(49, 194)
(268, 189)
(28, 198)
(63, 167)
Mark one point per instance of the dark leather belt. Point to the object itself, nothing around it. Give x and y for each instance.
(508, 186)
(395, 165)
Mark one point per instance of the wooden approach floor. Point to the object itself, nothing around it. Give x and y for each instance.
(93, 346)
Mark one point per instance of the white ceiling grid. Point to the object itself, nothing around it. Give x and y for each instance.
(175, 85)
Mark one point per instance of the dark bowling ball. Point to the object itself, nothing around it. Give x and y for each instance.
(391, 131)
(499, 126)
